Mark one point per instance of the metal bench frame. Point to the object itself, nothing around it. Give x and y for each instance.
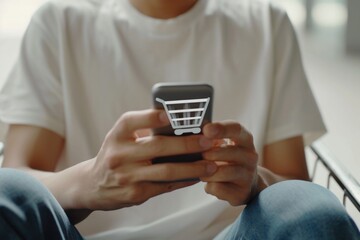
(349, 185)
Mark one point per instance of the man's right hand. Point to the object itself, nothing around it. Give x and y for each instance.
(122, 173)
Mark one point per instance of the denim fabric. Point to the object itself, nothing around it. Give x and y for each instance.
(295, 210)
(287, 210)
(29, 211)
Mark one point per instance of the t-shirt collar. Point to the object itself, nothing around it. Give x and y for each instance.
(163, 26)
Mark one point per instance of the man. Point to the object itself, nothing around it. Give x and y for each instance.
(75, 104)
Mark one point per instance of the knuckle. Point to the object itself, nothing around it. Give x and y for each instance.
(110, 136)
(208, 155)
(212, 188)
(208, 188)
(122, 124)
(237, 128)
(123, 179)
(135, 194)
(113, 158)
(124, 120)
(250, 137)
(110, 139)
(254, 156)
(126, 116)
(235, 202)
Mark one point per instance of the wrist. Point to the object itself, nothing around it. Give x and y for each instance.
(261, 184)
(258, 185)
(68, 186)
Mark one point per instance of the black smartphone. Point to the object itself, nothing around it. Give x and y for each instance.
(188, 107)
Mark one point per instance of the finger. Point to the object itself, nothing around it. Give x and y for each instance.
(130, 122)
(229, 192)
(136, 194)
(229, 129)
(158, 146)
(142, 133)
(232, 154)
(146, 190)
(168, 172)
(230, 173)
(164, 187)
(223, 142)
(121, 174)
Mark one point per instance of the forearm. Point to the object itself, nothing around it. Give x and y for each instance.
(283, 160)
(267, 178)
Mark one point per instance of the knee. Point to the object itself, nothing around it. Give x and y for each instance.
(18, 186)
(298, 198)
(26, 207)
(299, 208)
(23, 202)
(22, 196)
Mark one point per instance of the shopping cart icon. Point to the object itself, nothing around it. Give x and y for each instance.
(186, 116)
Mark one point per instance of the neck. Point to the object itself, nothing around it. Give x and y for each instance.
(163, 9)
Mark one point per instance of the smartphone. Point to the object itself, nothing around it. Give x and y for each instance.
(188, 107)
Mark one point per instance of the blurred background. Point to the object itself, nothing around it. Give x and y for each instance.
(329, 36)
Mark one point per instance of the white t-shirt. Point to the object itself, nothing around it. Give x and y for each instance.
(83, 63)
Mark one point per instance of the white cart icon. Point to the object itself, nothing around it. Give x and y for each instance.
(186, 116)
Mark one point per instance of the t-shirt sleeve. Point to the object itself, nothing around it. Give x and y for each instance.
(32, 94)
(293, 110)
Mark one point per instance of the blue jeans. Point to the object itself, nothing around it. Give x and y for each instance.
(287, 210)
(29, 211)
(296, 210)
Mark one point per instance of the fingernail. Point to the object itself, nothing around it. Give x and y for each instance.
(211, 168)
(205, 143)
